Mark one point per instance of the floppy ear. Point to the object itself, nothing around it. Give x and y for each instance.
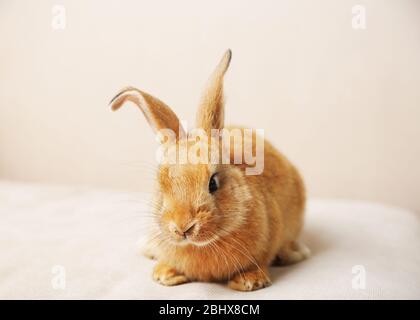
(211, 110)
(157, 113)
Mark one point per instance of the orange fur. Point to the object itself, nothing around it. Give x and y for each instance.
(236, 233)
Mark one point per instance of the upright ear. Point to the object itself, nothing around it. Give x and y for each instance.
(157, 113)
(211, 110)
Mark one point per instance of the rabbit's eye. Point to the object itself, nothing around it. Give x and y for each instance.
(213, 183)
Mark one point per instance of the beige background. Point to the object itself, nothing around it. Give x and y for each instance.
(343, 104)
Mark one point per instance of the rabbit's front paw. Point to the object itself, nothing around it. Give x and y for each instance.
(168, 276)
(250, 281)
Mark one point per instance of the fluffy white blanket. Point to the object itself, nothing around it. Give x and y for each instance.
(61, 242)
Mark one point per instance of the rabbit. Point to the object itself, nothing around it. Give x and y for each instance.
(215, 223)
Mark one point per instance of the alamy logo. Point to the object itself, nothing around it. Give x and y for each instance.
(58, 281)
(358, 21)
(219, 146)
(359, 279)
(58, 21)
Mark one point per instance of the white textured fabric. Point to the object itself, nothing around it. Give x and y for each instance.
(93, 235)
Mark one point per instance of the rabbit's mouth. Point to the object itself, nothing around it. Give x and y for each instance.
(206, 242)
(196, 241)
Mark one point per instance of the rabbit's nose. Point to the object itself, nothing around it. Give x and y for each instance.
(182, 232)
(189, 229)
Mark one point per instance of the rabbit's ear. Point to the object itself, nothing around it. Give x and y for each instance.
(157, 113)
(211, 110)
